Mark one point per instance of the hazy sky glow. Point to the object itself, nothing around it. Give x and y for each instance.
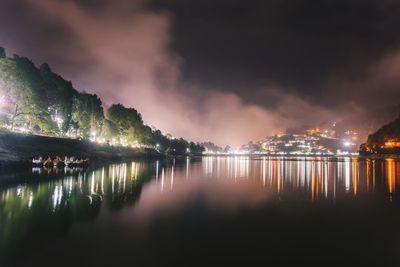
(228, 71)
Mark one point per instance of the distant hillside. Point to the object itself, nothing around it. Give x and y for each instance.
(384, 141)
(368, 121)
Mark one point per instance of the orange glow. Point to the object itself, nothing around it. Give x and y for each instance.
(392, 144)
(355, 176)
(314, 131)
(391, 174)
(373, 173)
(368, 173)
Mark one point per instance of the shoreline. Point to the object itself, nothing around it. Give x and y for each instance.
(18, 150)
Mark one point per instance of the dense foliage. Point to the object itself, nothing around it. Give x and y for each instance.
(385, 140)
(386, 132)
(42, 102)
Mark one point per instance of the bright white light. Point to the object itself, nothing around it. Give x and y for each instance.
(59, 120)
(20, 129)
(93, 135)
(19, 191)
(101, 141)
(347, 143)
(30, 200)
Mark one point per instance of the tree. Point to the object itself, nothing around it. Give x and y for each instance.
(43, 101)
(179, 146)
(22, 89)
(59, 95)
(87, 112)
(128, 122)
(161, 141)
(2, 52)
(210, 146)
(146, 135)
(196, 148)
(109, 130)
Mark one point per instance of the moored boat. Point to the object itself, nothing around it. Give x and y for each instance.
(59, 163)
(48, 162)
(37, 162)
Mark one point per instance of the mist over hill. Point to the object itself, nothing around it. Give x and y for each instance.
(369, 121)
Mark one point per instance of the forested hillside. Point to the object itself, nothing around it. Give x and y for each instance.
(384, 141)
(38, 101)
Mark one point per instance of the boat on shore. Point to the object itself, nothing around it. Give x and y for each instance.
(58, 162)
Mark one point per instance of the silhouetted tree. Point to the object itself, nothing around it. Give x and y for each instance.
(2, 52)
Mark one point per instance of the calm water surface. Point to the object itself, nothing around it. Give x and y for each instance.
(207, 211)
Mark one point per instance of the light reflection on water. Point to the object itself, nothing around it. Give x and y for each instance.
(319, 178)
(62, 197)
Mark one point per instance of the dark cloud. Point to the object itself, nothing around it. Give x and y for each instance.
(240, 45)
(224, 70)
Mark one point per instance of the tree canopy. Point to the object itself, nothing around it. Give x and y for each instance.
(39, 100)
(2, 52)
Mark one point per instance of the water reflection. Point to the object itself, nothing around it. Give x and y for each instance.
(49, 207)
(118, 183)
(320, 178)
(54, 203)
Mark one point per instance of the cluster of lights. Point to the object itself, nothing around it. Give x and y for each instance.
(348, 144)
(281, 153)
(392, 143)
(117, 142)
(93, 136)
(299, 144)
(19, 129)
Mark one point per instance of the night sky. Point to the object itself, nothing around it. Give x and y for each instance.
(228, 71)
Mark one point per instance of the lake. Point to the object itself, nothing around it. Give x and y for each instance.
(210, 211)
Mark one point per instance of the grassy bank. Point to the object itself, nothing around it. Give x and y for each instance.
(19, 149)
